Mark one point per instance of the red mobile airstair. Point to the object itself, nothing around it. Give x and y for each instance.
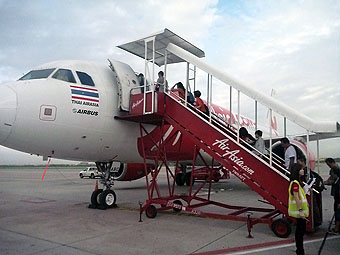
(220, 142)
(208, 136)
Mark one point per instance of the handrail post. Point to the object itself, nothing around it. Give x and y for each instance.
(270, 138)
(284, 126)
(165, 88)
(208, 93)
(307, 152)
(255, 115)
(238, 116)
(145, 75)
(208, 89)
(210, 98)
(230, 105)
(149, 73)
(318, 152)
(187, 85)
(194, 78)
(153, 77)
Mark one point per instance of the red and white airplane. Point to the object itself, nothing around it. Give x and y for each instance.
(67, 109)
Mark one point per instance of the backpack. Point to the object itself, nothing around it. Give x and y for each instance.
(190, 98)
(318, 185)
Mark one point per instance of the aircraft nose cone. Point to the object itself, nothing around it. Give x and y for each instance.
(8, 108)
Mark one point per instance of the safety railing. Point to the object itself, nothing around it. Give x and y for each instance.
(226, 130)
(219, 124)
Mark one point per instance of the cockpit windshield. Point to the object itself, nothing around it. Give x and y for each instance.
(85, 79)
(64, 75)
(37, 74)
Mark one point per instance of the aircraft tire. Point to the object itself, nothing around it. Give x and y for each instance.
(151, 211)
(108, 199)
(95, 198)
(281, 228)
(81, 175)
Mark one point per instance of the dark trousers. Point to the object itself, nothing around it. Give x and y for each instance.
(336, 210)
(299, 233)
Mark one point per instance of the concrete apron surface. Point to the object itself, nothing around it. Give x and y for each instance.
(51, 217)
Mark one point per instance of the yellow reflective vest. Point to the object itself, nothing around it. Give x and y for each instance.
(293, 209)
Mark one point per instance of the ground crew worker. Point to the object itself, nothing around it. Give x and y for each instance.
(298, 206)
(318, 187)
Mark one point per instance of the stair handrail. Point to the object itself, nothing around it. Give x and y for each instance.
(279, 107)
(278, 168)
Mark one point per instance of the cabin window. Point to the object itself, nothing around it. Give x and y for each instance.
(37, 74)
(64, 75)
(85, 79)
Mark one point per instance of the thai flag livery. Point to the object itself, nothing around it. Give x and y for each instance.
(86, 94)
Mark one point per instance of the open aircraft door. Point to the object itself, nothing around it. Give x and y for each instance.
(126, 80)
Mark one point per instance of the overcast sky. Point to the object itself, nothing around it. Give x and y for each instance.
(292, 47)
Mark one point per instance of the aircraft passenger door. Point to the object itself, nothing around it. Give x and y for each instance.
(126, 80)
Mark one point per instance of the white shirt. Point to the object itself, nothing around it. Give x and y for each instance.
(160, 83)
(289, 153)
(259, 145)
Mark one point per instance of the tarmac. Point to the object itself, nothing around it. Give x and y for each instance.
(52, 217)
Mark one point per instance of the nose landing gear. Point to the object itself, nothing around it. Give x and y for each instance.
(104, 198)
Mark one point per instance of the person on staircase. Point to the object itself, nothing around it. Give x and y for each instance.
(160, 84)
(199, 104)
(259, 144)
(297, 205)
(180, 89)
(141, 81)
(246, 139)
(290, 153)
(244, 135)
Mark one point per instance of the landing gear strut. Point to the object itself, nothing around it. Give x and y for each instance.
(106, 197)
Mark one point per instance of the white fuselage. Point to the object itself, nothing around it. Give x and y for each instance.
(90, 134)
(69, 119)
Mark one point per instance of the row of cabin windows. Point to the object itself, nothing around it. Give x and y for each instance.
(60, 74)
